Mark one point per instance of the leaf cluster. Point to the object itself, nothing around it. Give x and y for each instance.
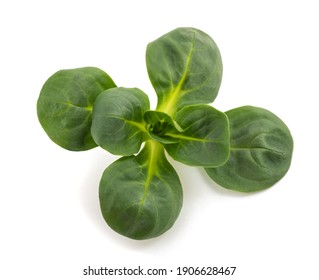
(246, 149)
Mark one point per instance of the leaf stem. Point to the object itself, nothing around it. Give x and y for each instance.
(169, 106)
(154, 150)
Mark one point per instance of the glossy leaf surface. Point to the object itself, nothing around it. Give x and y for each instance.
(261, 151)
(204, 140)
(118, 124)
(141, 196)
(185, 68)
(65, 104)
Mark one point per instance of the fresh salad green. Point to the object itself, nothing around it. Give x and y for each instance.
(246, 149)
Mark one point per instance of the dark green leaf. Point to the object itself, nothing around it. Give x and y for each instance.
(261, 151)
(118, 124)
(185, 68)
(204, 140)
(65, 106)
(141, 196)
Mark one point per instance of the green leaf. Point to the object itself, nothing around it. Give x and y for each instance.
(118, 124)
(158, 125)
(261, 151)
(185, 68)
(65, 104)
(141, 196)
(204, 140)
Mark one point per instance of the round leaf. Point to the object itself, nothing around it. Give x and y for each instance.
(118, 124)
(185, 68)
(65, 106)
(204, 140)
(141, 196)
(261, 151)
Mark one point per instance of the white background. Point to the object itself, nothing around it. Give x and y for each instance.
(51, 225)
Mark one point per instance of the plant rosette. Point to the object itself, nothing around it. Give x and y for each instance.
(246, 149)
